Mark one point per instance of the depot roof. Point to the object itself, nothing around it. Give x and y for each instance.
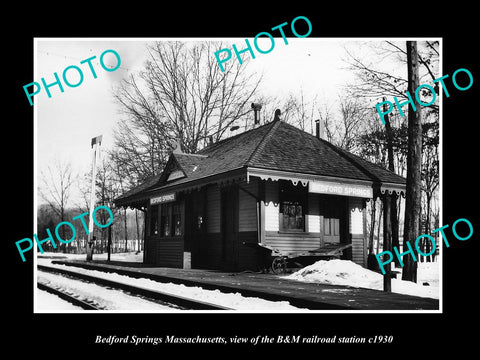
(274, 147)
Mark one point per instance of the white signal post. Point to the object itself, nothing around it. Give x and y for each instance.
(96, 142)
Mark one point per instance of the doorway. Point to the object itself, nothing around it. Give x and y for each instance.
(333, 209)
(194, 229)
(229, 211)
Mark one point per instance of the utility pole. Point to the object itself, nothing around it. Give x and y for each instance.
(96, 142)
(391, 167)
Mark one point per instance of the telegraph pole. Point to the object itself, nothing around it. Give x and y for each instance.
(96, 142)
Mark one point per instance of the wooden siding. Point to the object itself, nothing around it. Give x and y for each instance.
(170, 253)
(313, 215)
(272, 208)
(213, 209)
(356, 229)
(358, 254)
(247, 207)
(292, 242)
(333, 218)
(284, 241)
(355, 209)
(166, 252)
(210, 252)
(249, 256)
(150, 250)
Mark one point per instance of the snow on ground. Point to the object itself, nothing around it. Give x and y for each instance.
(128, 256)
(347, 273)
(101, 296)
(335, 272)
(231, 300)
(52, 302)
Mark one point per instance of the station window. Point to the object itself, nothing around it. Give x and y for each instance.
(171, 220)
(154, 220)
(293, 201)
(165, 220)
(332, 227)
(177, 220)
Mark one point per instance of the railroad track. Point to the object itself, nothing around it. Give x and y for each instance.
(67, 297)
(186, 303)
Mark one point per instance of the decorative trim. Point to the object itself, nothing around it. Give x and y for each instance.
(389, 189)
(338, 186)
(275, 175)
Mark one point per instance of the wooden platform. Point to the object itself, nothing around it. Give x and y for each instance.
(271, 287)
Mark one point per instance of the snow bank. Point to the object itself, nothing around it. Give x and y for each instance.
(347, 273)
(231, 300)
(54, 303)
(337, 272)
(128, 256)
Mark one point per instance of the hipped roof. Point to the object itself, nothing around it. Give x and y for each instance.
(273, 146)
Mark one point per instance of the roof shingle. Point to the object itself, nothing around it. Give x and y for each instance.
(277, 146)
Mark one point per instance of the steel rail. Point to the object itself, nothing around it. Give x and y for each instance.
(181, 301)
(63, 295)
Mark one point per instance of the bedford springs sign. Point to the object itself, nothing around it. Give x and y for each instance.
(162, 199)
(335, 188)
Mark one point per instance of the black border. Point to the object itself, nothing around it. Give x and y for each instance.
(420, 333)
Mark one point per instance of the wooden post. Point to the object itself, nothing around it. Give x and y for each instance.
(96, 142)
(261, 211)
(109, 243)
(387, 240)
(391, 167)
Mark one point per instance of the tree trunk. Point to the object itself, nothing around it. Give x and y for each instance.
(387, 239)
(428, 244)
(109, 244)
(391, 167)
(125, 222)
(413, 198)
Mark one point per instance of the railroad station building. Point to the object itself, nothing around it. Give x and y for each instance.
(273, 190)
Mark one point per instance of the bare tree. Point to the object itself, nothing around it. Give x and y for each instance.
(353, 120)
(120, 178)
(140, 148)
(430, 177)
(374, 84)
(299, 111)
(344, 128)
(56, 183)
(107, 188)
(181, 95)
(325, 115)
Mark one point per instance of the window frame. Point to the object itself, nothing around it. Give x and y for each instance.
(154, 219)
(167, 208)
(176, 207)
(288, 192)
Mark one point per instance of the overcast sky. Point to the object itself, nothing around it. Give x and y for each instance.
(66, 122)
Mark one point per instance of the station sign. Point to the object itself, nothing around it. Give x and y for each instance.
(165, 198)
(335, 188)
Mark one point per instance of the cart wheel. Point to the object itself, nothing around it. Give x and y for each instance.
(279, 265)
